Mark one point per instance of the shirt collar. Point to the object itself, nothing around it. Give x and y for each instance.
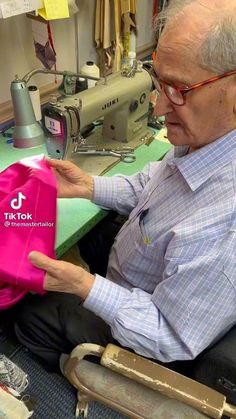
(199, 166)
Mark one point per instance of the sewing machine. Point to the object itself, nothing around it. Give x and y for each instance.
(119, 103)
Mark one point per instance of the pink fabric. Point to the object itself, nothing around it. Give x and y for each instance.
(28, 194)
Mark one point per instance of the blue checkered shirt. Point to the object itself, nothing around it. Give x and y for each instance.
(170, 289)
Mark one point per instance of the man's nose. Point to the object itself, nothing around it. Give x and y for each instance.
(163, 105)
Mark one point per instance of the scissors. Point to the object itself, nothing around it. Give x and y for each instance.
(125, 154)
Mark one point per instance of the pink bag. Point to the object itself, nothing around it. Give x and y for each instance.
(28, 193)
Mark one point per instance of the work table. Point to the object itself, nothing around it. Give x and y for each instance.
(76, 217)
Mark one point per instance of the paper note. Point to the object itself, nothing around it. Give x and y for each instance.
(40, 32)
(16, 7)
(54, 9)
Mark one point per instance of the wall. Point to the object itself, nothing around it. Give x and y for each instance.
(17, 50)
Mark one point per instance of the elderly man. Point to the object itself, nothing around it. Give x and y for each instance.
(169, 291)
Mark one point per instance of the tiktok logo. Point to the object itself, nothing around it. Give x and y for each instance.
(16, 203)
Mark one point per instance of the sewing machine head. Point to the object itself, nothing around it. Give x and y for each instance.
(120, 105)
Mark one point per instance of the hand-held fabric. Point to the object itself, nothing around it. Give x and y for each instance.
(28, 193)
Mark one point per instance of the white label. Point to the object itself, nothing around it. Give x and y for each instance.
(16, 7)
(40, 32)
(53, 125)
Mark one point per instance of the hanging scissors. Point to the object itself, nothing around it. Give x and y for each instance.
(125, 154)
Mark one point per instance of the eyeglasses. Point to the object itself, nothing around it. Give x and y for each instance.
(177, 95)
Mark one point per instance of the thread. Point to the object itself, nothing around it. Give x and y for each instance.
(81, 84)
(35, 99)
(132, 58)
(90, 69)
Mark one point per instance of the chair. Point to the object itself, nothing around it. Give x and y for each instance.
(140, 388)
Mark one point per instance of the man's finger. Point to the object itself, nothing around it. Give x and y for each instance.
(50, 283)
(42, 261)
(61, 164)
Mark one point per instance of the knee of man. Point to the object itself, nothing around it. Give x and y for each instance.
(25, 316)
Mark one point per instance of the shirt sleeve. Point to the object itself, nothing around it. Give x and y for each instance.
(192, 307)
(121, 193)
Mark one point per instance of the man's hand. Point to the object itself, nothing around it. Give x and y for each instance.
(63, 276)
(72, 182)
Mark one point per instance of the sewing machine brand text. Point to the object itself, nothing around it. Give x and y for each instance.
(110, 103)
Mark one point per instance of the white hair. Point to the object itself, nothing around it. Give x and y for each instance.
(217, 51)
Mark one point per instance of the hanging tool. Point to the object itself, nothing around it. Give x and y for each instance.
(107, 35)
(103, 36)
(43, 42)
(118, 43)
(128, 11)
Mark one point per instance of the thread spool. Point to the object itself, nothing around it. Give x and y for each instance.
(132, 57)
(81, 84)
(90, 69)
(35, 99)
